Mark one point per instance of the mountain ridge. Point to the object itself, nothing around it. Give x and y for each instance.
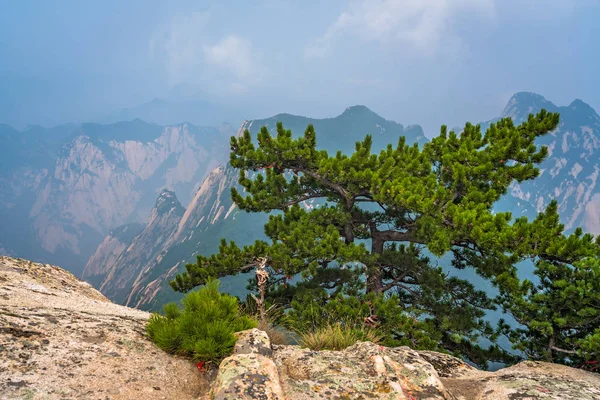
(218, 217)
(570, 172)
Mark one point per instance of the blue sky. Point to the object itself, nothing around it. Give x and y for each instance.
(413, 61)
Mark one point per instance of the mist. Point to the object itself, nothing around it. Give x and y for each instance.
(415, 62)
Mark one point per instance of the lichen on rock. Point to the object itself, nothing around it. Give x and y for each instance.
(369, 371)
(60, 338)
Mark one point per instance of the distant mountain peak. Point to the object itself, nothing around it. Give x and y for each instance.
(581, 105)
(528, 96)
(166, 201)
(521, 104)
(357, 110)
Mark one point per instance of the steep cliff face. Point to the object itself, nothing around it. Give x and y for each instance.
(570, 174)
(109, 251)
(132, 264)
(198, 229)
(103, 176)
(117, 258)
(212, 203)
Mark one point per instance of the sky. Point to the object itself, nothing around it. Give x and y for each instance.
(427, 62)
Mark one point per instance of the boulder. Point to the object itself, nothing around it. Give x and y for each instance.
(249, 373)
(529, 380)
(362, 371)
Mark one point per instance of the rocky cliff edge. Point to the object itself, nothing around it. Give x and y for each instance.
(62, 339)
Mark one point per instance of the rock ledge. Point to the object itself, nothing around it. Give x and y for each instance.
(365, 370)
(61, 339)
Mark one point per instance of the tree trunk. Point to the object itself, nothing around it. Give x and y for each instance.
(261, 277)
(348, 233)
(550, 354)
(374, 278)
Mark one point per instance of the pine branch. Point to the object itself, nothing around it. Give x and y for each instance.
(563, 350)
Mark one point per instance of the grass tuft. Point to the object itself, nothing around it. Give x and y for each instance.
(337, 336)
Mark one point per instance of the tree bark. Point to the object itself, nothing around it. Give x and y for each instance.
(374, 276)
(550, 354)
(261, 276)
(348, 233)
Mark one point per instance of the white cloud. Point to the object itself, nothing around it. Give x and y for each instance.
(189, 55)
(423, 25)
(236, 55)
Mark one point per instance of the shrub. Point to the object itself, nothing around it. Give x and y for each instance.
(203, 329)
(338, 336)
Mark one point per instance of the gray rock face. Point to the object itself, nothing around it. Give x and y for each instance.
(145, 252)
(527, 380)
(570, 173)
(179, 236)
(109, 251)
(369, 371)
(61, 339)
(134, 262)
(65, 196)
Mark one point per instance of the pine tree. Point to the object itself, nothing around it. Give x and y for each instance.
(203, 329)
(559, 314)
(558, 311)
(378, 221)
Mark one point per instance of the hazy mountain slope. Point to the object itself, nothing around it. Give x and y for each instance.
(111, 248)
(26, 159)
(169, 112)
(164, 218)
(65, 194)
(570, 173)
(211, 215)
(341, 132)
